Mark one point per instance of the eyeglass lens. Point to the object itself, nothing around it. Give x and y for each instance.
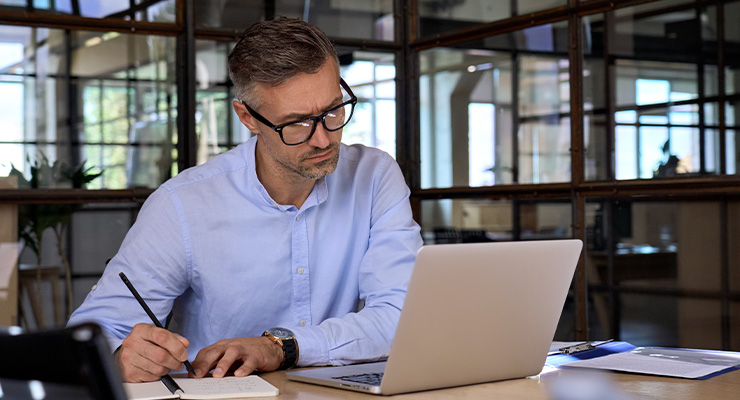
(333, 120)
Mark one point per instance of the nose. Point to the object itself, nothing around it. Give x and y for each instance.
(320, 138)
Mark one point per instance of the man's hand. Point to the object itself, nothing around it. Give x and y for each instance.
(149, 353)
(244, 354)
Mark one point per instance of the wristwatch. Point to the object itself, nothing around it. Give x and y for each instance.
(285, 339)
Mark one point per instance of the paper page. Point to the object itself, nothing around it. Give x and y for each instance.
(706, 357)
(227, 387)
(148, 391)
(631, 362)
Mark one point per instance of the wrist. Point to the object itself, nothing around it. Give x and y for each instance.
(277, 349)
(285, 339)
(117, 357)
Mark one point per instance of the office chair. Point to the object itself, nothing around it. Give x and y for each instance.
(74, 362)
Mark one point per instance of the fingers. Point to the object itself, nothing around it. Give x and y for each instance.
(184, 342)
(244, 354)
(246, 368)
(206, 359)
(172, 343)
(137, 369)
(230, 356)
(150, 352)
(219, 357)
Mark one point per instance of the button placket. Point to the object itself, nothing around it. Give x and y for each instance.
(301, 281)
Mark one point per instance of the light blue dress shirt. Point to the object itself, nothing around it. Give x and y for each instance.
(233, 263)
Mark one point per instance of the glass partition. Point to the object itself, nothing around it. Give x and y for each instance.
(663, 66)
(483, 220)
(137, 10)
(498, 114)
(466, 220)
(732, 83)
(673, 244)
(732, 54)
(670, 246)
(524, 7)
(466, 103)
(670, 322)
(355, 19)
(103, 99)
(372, 77)
(733, 236)
(731, 151)
(440, 16)
(217, 126)
(659, 314)
(544, 125)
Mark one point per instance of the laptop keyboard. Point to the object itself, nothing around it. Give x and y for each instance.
(368, 379)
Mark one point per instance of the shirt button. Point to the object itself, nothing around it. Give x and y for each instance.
(302, 322)
(94, 287)
(300, 271)
(297, 217)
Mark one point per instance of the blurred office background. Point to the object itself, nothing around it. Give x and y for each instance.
(612, 121)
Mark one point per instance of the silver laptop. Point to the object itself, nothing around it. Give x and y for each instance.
(474, 313)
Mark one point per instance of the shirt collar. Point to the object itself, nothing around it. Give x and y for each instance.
(318, 195)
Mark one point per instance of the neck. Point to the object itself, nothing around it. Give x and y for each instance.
(284, 186)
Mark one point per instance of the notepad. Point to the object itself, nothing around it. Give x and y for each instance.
(229, 387)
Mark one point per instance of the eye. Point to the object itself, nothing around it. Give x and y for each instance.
(302, 124)
(335, 113)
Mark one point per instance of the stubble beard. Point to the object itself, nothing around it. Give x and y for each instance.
(318, 170)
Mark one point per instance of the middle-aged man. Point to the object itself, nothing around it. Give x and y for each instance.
(291, 229)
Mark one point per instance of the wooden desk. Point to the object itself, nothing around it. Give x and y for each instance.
(723, 387)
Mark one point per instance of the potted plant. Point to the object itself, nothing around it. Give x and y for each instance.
(35, 219)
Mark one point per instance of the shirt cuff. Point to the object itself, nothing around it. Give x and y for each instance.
(313, 348)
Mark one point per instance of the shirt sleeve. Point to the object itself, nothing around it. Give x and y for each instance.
(384, 275)
(153, 256)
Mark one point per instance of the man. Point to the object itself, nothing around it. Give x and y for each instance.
(291, 229)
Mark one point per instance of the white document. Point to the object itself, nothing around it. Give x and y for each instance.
(148, 391)
(229, 387)
(666, 362)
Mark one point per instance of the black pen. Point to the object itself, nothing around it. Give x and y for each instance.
(149, 312)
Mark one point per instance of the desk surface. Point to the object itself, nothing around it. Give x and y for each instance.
(726, 386)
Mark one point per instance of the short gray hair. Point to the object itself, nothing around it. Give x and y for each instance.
(271, 52)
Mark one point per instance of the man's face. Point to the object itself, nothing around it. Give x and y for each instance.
(305, 95)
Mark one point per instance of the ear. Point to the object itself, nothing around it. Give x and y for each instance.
(245, 117)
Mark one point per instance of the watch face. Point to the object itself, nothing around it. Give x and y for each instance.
(281, 333)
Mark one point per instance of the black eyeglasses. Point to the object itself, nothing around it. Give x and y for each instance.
(300, 131)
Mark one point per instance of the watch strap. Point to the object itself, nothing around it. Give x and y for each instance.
(290, 353)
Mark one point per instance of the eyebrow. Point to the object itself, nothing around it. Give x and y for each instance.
(299, 117)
